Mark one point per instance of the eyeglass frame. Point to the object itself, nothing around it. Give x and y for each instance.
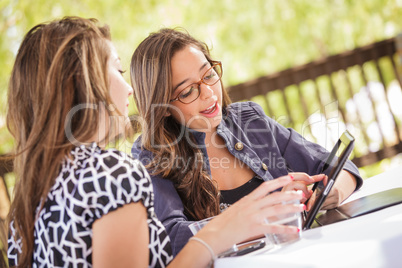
(201, 81)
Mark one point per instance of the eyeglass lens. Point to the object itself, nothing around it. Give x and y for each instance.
(211, 77)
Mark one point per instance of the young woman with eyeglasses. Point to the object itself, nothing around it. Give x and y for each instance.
(204, 153)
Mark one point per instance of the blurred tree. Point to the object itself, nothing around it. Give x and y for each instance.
(251, 38)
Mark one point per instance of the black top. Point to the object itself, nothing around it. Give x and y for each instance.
(229, 197)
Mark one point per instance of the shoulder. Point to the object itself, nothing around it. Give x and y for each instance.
(115, 159)
(245, 109)
(96, 182)
(121, 166)
(107, 174)
(122, 163)
(114, 163)
(137, 148)
(141, 154)
(248, 112)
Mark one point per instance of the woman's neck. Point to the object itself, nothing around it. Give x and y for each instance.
(213, 139)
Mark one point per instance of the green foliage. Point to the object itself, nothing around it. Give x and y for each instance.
(251, 38)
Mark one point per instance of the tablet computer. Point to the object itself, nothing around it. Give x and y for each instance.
(335, 162)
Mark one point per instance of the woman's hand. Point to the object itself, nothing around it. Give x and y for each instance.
(246, 218)
(344, 186)
(301, 181)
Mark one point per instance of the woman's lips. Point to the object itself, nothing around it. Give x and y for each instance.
(211, 111)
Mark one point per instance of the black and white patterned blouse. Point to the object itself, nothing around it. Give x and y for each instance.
(91, 184)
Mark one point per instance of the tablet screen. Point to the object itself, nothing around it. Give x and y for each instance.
(335, 162)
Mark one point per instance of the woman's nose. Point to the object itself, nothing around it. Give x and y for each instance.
(206, 91)
(130, 90)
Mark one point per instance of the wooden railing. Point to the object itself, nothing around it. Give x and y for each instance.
(364, 85)
(296, 97)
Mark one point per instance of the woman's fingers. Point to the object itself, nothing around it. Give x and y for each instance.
(320, 177)
(250, 213)
(281, 209)
(301, 182)
(281, 197)
(297, 177)
(279, 229)
(304, 177)
(263, 202)
(298, 186)
(275, 198)
(269, 186)
(271, 204)
(301, 176)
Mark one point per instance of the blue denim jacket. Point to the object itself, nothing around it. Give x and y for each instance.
(267, 147)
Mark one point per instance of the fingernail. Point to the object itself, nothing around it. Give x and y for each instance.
(291, 176)
(303, 194)
(304, 207)
(298, 230)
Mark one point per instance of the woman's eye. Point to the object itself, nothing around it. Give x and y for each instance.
(209, 76)
(122, 72)
(187, 92)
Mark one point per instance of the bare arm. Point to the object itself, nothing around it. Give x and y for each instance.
(242, 220)
(121, 238)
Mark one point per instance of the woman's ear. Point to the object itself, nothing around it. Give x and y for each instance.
(167, 114)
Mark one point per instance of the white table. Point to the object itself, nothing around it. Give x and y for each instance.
(372, 240)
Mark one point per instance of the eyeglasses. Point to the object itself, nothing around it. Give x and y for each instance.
(193, 91)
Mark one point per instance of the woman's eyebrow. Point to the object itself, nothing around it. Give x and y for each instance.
(185, 80)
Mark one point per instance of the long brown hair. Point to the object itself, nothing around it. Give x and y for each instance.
(60, 67)
(174, 157)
